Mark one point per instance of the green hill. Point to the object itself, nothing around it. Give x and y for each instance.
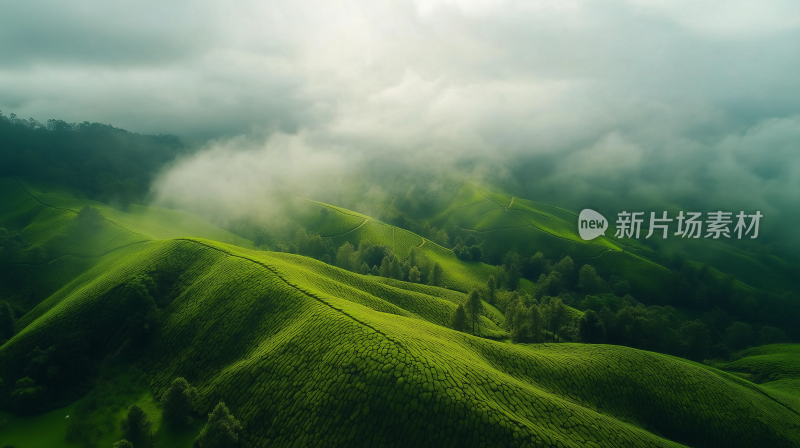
(306, 354)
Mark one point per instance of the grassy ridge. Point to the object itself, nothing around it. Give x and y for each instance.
(345, 226)
(769, 362)
(306, 353)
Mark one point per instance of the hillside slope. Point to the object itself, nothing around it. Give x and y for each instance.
(308, 354)
(305, 353)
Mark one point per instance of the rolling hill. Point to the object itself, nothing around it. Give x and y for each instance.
(306, 354)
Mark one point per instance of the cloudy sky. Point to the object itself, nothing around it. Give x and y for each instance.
(672, 97)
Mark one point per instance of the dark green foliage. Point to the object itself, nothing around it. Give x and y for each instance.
(372, 255)
(364, 269)
(524, 324)
(7, 319)
(739, 335)
(588, 280)
(312, 245)
(592, 330)
(221, 431)
(136, 425)
(491, 290)
(566, 267)
(386, 267)
(63, 369)
(772, 335)
(26, 397)
(178, 402)
(536, 266)
(468, 253)
(459, 321)
(11, 245)
(413, 275)
(104, 162)
(621, 288)
(514, 276)
(551, 285)
(695, 339)
(395, 271)
(122, 444)
(435, 276)
(474, 307)
(139, 305)
(345, 255)
(554, 315)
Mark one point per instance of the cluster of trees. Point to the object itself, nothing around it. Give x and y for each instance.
(53, 376)
(104, 162)
(610, 314)
(466, 317)
(381, 261)
(366, 259)
(468, 249)
(63, 371)
(179, 405)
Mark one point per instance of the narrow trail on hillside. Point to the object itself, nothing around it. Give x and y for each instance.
(349, 231)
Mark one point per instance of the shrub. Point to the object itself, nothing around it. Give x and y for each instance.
(221, 431)
(178, 402)
(136, 425)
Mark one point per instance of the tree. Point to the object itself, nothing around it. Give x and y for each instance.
(394, 269)
(696, 340)
(435, 277)
(364, 269)
(413, 275)
(588, 281)
(344, 256)
(491, 289)
(7, 319)
(591, 328)
(459, 321)
(474, 307)
(221, 431)
(476, 253)
(27, 397)
(555, 314)
(442, 239)
(178, 402)
(123, 444)
(514, 276)
(772, 335)
(136, 425)
(386, 267)
(566, 267)
(536, 322)
(537, 266)
(740, 335)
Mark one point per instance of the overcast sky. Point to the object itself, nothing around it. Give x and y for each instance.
(679, 96)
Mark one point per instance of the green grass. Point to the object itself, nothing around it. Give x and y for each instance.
(306, 354)
(769, 362)
(43, 431)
